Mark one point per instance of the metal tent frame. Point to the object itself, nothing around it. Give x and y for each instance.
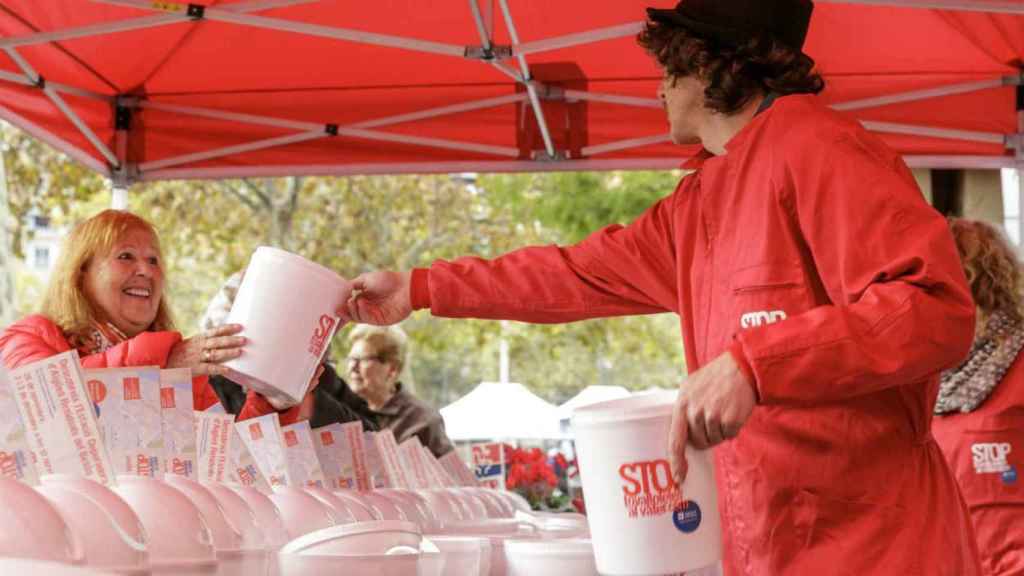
(511, 60)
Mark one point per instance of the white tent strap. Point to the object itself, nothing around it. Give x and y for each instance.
(55, 141)
(299, 125)
(61, 105)
(232, 150)
(538, 111)
(658, 163)
(917, 95)
(931, 132)
(570, 40)
(489, 166)
(1001, 6)
(173, 17)
(625, 144)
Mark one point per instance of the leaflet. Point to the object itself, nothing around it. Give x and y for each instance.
(387, 450)
(262, 436)
(15, 457)
(355, 440)
(335, 461)
(60, 421)
(374, 465)
(178, 422)
(411, 460)
(213, 437)
(243, 469)
(303, 467)
(128, 412)
(458, 470)
(440, 476)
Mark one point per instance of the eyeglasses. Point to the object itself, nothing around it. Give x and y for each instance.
(364, 359)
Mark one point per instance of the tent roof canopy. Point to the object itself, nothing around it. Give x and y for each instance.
(142, 90)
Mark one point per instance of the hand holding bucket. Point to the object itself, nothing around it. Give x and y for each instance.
(713, 404)
(206, 352)
(379, 298)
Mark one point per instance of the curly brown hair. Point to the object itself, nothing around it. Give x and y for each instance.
(734, 73)
(991, 265)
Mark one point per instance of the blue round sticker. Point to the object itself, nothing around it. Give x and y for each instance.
(1010, 475)
(687, 517)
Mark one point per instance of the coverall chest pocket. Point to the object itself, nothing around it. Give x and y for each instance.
(990, 462)
(765, 294)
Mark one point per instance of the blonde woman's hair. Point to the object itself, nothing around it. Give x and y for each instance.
(389, 341)
(991, 266)
(65, 302)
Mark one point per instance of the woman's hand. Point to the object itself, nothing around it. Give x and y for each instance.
(204, 353)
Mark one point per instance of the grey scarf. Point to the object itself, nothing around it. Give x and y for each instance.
(966, 387)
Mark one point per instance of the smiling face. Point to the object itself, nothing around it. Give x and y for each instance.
(125, 286)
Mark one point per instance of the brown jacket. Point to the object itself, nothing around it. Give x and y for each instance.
(408, 416)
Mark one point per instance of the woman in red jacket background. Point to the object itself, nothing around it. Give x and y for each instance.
(106, 299)
(979, 420)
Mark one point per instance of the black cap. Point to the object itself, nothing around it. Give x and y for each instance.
(735, 21)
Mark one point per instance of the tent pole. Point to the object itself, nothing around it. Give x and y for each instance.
(916, 95)
(55, 141)
(1004, 6)
(231, 150)
(968, 135)
(625, 144)
(61, 105)
(589, 37)
(531, 89)
(174, 17)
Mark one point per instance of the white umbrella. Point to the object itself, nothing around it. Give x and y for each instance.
(496, 410)
(590, 395)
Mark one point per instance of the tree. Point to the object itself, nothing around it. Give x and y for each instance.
(209, 229)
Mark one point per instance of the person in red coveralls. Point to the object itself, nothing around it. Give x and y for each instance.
(106, 299)
(979, 420)
(819, 297)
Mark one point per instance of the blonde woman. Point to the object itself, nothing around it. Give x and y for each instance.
(979, 420)
(106, 300)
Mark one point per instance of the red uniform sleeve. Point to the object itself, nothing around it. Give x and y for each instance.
(256, 405)
(901, 309)
(615, 271)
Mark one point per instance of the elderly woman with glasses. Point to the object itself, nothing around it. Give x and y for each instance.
(375, 362)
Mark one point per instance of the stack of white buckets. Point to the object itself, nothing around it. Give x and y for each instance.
(638, 520)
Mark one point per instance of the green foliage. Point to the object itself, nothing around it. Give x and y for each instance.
(356, 224)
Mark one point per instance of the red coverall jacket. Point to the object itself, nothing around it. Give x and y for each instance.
(985, 448)
(36, 337)
(810, 250)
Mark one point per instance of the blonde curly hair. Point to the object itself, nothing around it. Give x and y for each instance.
(991, 265)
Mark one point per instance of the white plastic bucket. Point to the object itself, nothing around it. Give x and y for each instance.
(179, 540)
(550, 558)
(301, 511)
(18, 566)
(640, 521)
(364, 549)
(360, 507)
(268, 517)
(31, 527)
(286, 305)
(414, 506)
(384, 508)
(342, 509)
(111, 533)
(464, 555)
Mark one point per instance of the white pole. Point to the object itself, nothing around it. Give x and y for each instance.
(503, 361)
(8, 295)
(119, 198)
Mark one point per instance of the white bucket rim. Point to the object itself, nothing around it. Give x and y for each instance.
(636, 407)
(563, 547)
(338, 532)
(319, 269)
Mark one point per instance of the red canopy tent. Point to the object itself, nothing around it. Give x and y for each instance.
(142, 90)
